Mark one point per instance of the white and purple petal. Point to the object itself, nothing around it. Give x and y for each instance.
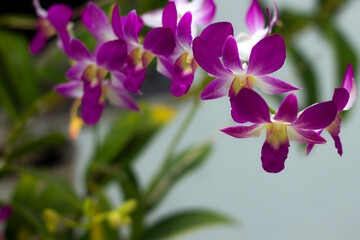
(218, 87)
(120, 98)
(350, 85)
(334, 130)
(183, 32)
(255, 19)
(206, 13)
(73, 89)
(230, 55)
(341, 98)
(304, 136)
(245, 131)
(271, 85)
(79, 51)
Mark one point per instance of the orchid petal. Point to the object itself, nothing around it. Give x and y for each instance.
(267, 56)
(97, 22)
(218, 87)
(273, 158)
(206, 13)
(91, 106)
(111, 55)
(79, 51)
(334, 130)
(134, 78)
(255, 19)
(65, 41)
(38, 42)
(116, 22)
(350, 85)
(288, 109)
(183, 76)
(341, 98)
(183, 33)
(304, 136)
(39, 10)
(76, 71)
(120, 98)
(207, 58)
(216, 34)
(160, 41)
(310, 146)
(169, 16)
(271, 85)
(245, 131)
(59, 15)
(251, 107)
(165, 66)
(317, 116)
(230, 55)
(73, 89)
(130, 26)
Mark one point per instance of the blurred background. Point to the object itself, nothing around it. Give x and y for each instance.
(315, 197)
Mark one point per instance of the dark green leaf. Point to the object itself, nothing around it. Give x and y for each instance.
(43, 142)
(183, 222)
(17, 68)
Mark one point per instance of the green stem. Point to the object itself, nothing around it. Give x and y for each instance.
(172, 147)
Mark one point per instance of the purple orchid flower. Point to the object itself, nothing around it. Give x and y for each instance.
(88, 79)
(180, 66)
(202, 11)
(255, 21)
(267, 56)
(50, 22)
(344, 97)
(157, 42)
(282, 127)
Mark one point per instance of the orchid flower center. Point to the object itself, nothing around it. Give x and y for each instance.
(242, 80)
(276, 133)
(95, 74)
(46, 28)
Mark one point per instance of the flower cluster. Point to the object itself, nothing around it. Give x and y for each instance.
(239, 63)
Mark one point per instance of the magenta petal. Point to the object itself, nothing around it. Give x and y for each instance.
(267, 56)
(251, 107)
(160, 41)
(91, 107)
(111, 55)
(96, 21)
(73, 89)
(38, 42)
(255, 19)
(273, 158)
(317, 116)
(219, 87)
(165, 66)
(134, 78)
(216, 34)
(65, 41)
(116, 22)
(349, 84)
(79, 51)
(5, 212)
(169, 16)
(183, 33)
(206, 13)
(182, 79)
(244, 131)
(341, 98)
(230, 55)
(207, 58)
(288, 109)
(59, 15)
(272, 85)
(131, 26)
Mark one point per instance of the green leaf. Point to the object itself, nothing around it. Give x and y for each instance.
(343, 50)
(184, 222)
(17, 68)
(7, 101)
(183, 164)
(43, 142)
(305, 73)
(328, 8)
